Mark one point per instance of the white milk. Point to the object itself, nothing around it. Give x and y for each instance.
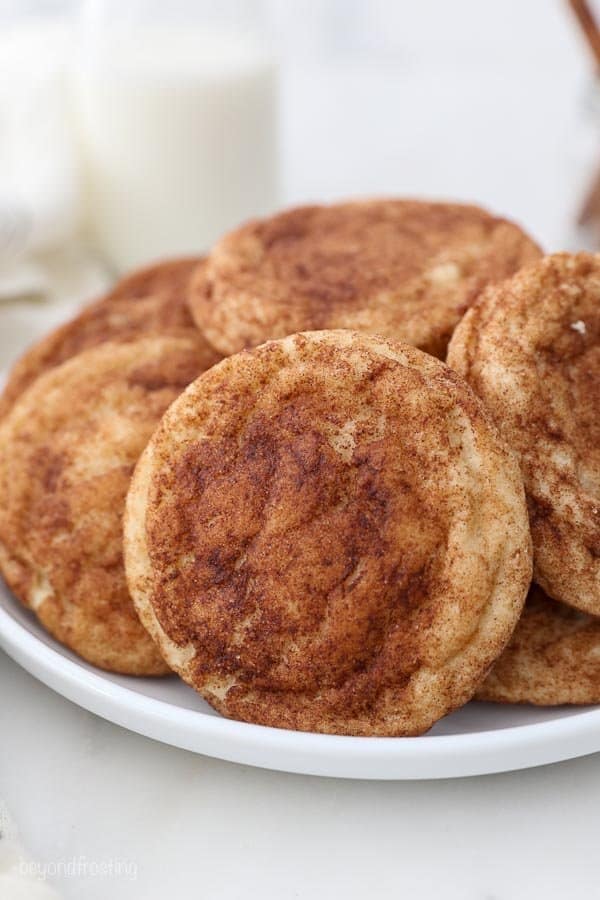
(179, 140)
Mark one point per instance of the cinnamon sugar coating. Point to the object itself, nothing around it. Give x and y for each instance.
(326, 534)
(150, 301)
(404, 269)
(553, 657)
(67, 451)
(531, 350)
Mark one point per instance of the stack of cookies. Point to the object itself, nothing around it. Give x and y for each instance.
(255, 470)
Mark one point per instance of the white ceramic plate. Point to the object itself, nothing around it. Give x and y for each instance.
(478, 739)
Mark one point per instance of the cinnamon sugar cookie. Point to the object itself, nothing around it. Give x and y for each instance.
(168, 277)
(326, 534)
(67, 451)
(150, 301)
(531, 350)
(553, 657)
(401, 268)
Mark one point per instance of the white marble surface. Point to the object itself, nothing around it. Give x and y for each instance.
(485, 107)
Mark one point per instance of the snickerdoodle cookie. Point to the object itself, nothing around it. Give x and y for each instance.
(168, 277)
(326, 534)
(531, 349)
(401, 268)
(67, 450)
(150, 301)
(553, 657)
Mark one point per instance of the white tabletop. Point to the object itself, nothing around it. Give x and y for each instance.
(498, 124)
(87, 793)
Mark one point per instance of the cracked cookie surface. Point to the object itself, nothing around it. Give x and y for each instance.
(326, 534)
(149, 301)
(553, 657)
(531, 350)
(405, 269)
(67, 451)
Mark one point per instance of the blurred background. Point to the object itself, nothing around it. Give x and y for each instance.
(134, 129)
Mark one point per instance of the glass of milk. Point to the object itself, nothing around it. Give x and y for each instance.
(177, 109)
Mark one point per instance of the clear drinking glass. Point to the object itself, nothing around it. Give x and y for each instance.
(177, 108)
(39, 178)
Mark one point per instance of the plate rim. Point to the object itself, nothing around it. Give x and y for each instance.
(377, 758)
